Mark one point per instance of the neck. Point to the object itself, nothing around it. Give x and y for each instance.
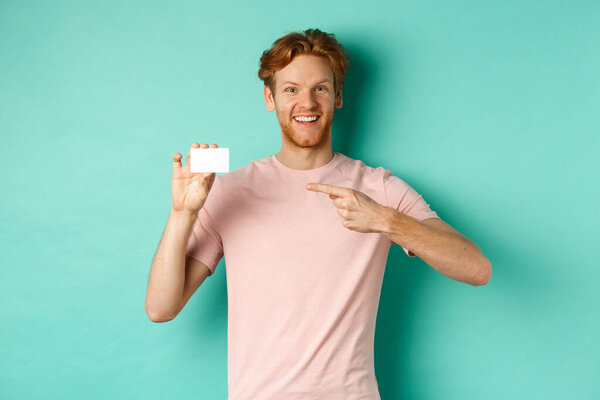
(305, 158)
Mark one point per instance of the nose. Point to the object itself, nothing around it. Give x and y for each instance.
(307, 100)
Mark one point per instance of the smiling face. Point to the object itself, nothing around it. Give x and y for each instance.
(304, 88)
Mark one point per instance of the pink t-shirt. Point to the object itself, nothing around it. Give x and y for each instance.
(302, 289)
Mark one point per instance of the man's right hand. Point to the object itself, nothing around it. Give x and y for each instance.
(190, 190)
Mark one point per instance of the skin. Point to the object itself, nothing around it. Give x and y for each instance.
(304, 147)
(433, 240)
(189, 190)
(174, 277)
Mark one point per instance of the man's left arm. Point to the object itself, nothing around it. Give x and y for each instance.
(438, 244)
(433, 240)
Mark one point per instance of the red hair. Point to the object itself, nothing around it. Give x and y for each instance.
(310, 42)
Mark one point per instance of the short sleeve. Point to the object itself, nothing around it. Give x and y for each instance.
(405, 199)
(205, 243)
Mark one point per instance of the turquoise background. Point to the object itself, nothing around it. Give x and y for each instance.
(488, 109)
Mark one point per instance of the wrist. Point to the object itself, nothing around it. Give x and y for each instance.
(386, 217)
(184, 215)
(392, 221)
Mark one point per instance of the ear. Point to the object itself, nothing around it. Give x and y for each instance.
(269, 101)
(338, 98)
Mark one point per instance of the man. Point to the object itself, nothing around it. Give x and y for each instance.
(305, 234)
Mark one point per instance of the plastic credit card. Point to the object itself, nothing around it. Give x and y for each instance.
(209, 160)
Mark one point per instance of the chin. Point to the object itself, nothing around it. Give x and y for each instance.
(309, 140)
(304, 138)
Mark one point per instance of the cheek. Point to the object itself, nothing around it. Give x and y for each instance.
(327, 104)
(285, 109)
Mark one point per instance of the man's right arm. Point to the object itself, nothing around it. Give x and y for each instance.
(173, 276)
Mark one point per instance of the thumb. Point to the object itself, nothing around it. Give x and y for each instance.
(177, 160)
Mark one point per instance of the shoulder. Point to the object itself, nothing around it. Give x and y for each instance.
(361, 176)
(359, 166)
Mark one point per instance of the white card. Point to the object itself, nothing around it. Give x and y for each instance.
(209, 160)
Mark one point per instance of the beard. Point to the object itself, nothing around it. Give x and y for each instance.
(314, 137)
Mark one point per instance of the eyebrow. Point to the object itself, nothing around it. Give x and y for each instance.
(294, 83)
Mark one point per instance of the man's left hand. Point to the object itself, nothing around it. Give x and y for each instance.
(359, 212)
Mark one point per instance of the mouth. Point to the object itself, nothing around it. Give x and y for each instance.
(306, 121)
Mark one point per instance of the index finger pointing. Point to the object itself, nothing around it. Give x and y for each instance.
(325, 188)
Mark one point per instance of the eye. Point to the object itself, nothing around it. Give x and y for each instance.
(322, 87)
(289, 89)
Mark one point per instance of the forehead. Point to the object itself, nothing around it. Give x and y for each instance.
(305, 70)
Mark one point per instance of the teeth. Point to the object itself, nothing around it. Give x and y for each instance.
(305, 119)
